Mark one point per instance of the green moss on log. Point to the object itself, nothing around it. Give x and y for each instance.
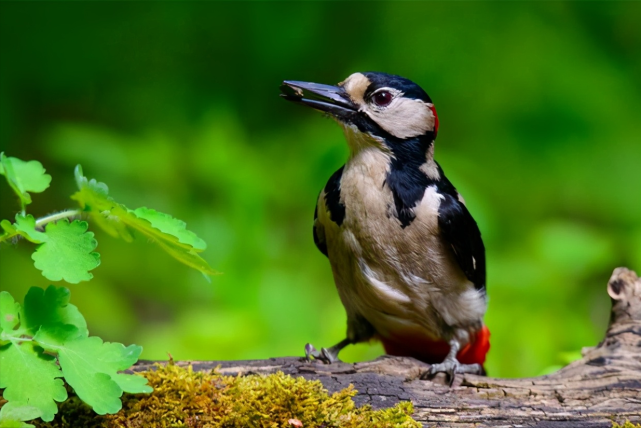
(184, 398)
(626, 424)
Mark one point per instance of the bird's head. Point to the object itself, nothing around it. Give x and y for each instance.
(376, 109)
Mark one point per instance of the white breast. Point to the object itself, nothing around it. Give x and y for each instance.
(399, 279)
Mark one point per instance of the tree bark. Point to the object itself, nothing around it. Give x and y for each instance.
(602, 387)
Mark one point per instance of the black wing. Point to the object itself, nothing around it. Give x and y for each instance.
(319, 233)
(335, 207)
(460, 230)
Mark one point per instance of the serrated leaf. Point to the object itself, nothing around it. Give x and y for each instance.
(9, 230)
(99, 209)
(93, 197)
(24, 177)
(91, 368)
(13, 415)
(93, 184)
(188, 258)
(184, 253)
(68, 252)
(116, 219)
(49, 308)
(31, 377)
(25, 225)
(171, 226)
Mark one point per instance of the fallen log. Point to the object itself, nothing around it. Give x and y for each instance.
(603, 387)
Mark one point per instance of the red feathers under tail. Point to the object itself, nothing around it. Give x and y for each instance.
(435, 351)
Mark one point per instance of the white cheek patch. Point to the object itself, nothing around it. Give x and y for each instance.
(405, 117)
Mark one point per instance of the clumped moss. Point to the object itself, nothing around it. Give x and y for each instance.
(626, 424)
(184, 398)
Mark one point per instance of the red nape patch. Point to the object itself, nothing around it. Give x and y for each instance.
(435, 351)
(435, 119)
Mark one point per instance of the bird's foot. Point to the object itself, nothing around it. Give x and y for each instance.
(451, 367)
(326, 355)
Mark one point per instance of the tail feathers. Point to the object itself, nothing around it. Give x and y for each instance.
(435, 351)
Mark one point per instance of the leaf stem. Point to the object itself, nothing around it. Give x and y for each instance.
(57, 216)
(8, 337)
(41, 222)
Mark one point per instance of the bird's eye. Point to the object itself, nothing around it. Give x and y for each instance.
(382, 99)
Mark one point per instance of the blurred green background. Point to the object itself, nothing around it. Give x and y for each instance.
(175, 106)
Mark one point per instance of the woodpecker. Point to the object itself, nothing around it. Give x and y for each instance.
(407, 256)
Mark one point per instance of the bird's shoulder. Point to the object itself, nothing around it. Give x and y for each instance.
(331, 196)
(412, 188)
(459, 230)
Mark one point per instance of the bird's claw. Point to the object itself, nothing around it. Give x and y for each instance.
(325, 355)
(311, 352)
(451, 368)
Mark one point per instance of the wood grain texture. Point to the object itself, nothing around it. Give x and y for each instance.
(601, 387)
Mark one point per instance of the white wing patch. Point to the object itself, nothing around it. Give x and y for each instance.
(426, 209)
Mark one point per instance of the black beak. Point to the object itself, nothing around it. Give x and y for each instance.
(330, 99)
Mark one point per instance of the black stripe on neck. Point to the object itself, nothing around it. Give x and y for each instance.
(405, 179)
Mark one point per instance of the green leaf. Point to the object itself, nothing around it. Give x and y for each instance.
(53, 336)
(12, 423)
(116, 219)
(31, 377)
(189, 258)
(171, 226)
(9, 310)
(9, 318)
(182, 252)
(13, 414)
(49, 308)
(93, 197)
(133, 384)
(10, 327)
(9, 230)
(25, 225)
(68, 252)
(24, 177)
(91, 368)
(93, 184)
